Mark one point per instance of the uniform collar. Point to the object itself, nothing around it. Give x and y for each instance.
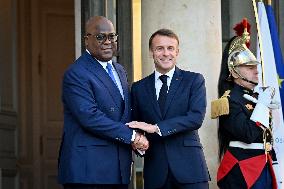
(245, 90)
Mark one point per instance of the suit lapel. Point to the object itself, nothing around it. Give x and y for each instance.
(122, 78)
(175, 83)
(93, 66)
(151, 90)
(124, 84)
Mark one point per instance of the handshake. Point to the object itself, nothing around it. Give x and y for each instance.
(140, 143)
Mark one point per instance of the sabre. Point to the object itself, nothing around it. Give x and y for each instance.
(259, 41)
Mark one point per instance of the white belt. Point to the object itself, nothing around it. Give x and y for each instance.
(243, 145)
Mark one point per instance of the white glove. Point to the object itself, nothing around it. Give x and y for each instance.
(266, 95)
(261, 110)
(273, 105)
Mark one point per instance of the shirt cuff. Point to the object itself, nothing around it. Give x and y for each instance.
(141, 152)
(133, 136)
(158, 130)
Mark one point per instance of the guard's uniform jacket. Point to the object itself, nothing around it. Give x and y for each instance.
(240, 167)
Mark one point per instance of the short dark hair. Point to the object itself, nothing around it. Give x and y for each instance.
(163, 32)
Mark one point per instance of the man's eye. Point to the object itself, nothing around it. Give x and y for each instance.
(112, 36)
(100, 37)
(171, 48)
(159, 49)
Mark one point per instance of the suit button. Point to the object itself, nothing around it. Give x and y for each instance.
(112, 109)
(120, 139)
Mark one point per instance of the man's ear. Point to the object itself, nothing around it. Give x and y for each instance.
(177, 51)
(86, 40)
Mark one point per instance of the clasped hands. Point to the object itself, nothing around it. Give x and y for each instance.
(140, 142)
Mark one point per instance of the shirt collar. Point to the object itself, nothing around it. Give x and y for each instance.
(104, 64)
(169, 73)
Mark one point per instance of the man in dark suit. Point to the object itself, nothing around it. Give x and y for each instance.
(96, 144)
(170, 106)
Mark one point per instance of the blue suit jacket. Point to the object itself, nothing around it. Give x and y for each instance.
(179, 148)
(95, 144)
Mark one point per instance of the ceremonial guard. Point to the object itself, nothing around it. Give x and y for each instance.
(244, 133)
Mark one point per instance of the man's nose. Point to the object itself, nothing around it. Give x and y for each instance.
(107, 40)
(166, 52)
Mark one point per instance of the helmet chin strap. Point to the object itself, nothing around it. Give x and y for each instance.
(243, 78)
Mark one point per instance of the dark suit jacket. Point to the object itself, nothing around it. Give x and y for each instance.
(95, 145)
(179, 148)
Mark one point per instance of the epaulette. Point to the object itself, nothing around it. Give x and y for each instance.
(220, 106)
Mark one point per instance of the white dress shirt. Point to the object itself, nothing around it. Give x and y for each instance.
(158, 82)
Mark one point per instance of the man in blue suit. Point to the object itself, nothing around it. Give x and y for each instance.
(170, 105)
(96, 148)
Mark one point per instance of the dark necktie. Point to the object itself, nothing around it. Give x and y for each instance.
(163, 93)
